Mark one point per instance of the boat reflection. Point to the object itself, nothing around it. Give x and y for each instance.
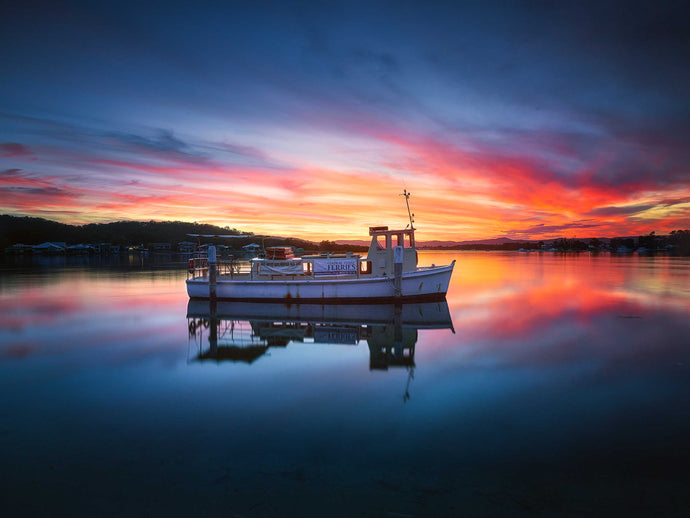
(244, 331)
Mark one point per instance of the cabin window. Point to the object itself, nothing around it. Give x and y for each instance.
(399, 240)
(381, 242)
(365, 267)
(407, 241)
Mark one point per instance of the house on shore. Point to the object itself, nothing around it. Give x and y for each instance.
(161, 247)
(50, 247)
(106, 248)
(19, 248)
(79, 249)
(186, 247)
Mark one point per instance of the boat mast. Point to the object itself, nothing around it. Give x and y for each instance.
(407, 201)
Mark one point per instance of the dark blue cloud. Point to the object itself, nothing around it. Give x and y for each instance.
(13, 149)
(47, 192)
(164, 142)
(235, 57)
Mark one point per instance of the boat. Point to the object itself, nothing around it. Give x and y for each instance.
(389, 272)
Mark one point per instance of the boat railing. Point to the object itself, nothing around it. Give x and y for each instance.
(197, 267)
(233, 267)
(322, 266)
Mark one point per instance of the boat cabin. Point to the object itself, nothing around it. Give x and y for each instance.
(382, 247)
(280, 262)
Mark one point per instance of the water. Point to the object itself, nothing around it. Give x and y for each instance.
(550, 385)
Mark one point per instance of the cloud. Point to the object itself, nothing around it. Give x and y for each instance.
(243, 151)
(21, 178)
(620, 211)
(164, 141)
(675, 201)
(52, 192)
(544, 230)
(163, 144)
(14, 149)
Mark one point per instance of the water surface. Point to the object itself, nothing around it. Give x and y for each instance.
(550, 385)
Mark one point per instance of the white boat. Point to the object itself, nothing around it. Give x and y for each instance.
(389, 272)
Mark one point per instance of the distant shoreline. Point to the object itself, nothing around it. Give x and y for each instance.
(25, 235)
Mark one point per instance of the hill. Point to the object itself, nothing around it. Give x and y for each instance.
(33, 231)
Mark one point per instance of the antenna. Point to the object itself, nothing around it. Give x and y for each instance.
(407, 201)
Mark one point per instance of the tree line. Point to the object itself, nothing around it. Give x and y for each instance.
(33, 231)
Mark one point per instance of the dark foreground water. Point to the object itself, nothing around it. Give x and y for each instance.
(549, 385)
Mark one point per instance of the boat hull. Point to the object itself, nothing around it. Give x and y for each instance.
(423, 284)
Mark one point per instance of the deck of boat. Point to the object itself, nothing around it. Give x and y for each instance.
(280, 277)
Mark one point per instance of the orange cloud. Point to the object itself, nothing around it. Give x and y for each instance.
(462, 188)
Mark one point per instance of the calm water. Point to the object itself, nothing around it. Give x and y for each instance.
(550, 385)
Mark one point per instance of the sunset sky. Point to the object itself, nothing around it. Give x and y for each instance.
(308, 119)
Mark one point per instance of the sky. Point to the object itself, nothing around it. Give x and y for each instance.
(527, 120)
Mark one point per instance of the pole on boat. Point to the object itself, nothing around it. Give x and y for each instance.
(212, 272)
(407, 202)
(398, 267)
